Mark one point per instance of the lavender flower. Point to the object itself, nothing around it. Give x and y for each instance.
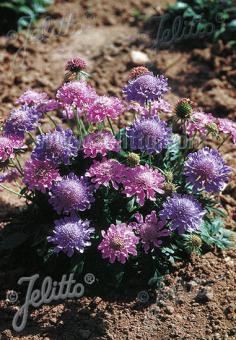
(72, 193)
(22, 120)
(58, 146)
(118, 242)
(205, 169)
(146, 87)
(32, 97)
(71, 234)
(149, 135)
(183, 212)
(150, 230)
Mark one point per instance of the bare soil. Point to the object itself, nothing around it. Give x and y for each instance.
(198, 301)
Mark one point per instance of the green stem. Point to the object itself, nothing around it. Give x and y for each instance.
(51, 119)
(40, 130)
(109, 122)
(11, 190)
(31, 136)
(224, 140)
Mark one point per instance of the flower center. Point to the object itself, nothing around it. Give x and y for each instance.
(117, 243)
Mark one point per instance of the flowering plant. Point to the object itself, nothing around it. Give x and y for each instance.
(121, 203)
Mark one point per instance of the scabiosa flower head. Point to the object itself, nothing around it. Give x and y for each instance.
(184, 108)
(72, 193)
(77, 93)
(118, 242)
(183, 212)
(6, 148)
(198, 123)
(149, 135)
(157, 106)
(76, 64)
(71, 234)
(205, 169)
(100, 143)
(58, 146)
(146, 87)
(106, 172)
(138, 71)
(104, 107)
(9, 176)
(143, 182)
(150, 230)
(40, 175)
(22, 120)
(48, 105)
(227, 126)
(32, 97)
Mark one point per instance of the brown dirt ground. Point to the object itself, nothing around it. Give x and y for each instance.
(104, 32)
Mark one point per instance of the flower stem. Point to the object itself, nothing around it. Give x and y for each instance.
(32, 138)
(11, 191)
(51, 119)
(110, 124)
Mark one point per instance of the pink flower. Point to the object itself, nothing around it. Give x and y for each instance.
(150, 230)
(118, 242)
(143, 182)
(198, 123)
(157, 106)
(106, 172)
(32, 97)
(6, 148)
(100, 143)
(104, 107)
(227, 126)
(76, 93)
(40, 175)
(75, 64)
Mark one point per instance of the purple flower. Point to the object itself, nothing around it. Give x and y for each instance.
(58, 146)
(147, 87)
(106, 172)
(118, 242)
(71, 234)
(142, 182)
(40, 175)
(22, 120)
(48, 105)
(72, 193)
(198, 123)
(32, 97)
(157, 106)
(100, 143)
(76, 64)
(150, 230)
(205, 169)
(149, 135)
(104, 107)
(227, 126)
(9, 176)
(78, 94)
(6, 148)
(183, 212)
